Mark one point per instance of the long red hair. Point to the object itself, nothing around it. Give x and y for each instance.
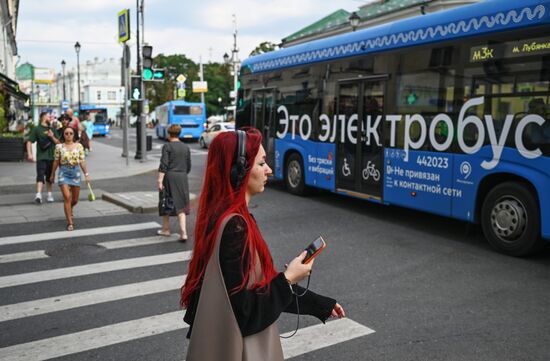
(218, 199)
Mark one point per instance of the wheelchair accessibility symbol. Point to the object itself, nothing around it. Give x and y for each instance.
(346, 171)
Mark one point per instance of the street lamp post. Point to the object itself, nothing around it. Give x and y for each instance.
(77, 49)
(63, 67)
(235, 62)
(354, 20)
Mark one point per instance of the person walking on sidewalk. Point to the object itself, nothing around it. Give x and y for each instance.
(175, 164)
(88, 127)
(70, 158)
(46, 139)
(233, 293)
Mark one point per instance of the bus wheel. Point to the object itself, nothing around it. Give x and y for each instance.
(294, 174)
(510, 219)
(202, 143)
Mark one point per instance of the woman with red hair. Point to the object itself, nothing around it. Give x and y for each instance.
(232, 293)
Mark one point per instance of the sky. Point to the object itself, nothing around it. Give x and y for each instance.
(48, 29)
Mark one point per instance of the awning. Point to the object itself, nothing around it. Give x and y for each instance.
(12, 87)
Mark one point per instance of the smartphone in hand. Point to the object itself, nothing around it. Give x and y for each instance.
(314, 249)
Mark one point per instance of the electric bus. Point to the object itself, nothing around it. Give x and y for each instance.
(98, 115)
(446, 113)
(190, 116)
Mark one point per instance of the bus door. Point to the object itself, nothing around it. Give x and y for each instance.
(263, 112)
(359, 152)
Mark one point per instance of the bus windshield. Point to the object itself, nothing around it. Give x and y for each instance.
(187, 110)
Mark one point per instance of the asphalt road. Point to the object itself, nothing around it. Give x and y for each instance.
(428, 289)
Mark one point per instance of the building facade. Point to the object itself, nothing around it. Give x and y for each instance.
(100, 85)
(12, 100)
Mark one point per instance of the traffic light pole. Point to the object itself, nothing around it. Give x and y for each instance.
(140, 124)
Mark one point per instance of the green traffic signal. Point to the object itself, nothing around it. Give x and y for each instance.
(147, 74)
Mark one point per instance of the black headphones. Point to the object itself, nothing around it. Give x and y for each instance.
(239, 167)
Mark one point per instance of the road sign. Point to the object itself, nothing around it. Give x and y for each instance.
(181, 78)
(181, 92)
(200, 87)
(64, 105)
(124, 25)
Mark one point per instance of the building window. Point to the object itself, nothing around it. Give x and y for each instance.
(111, 95)
(99, 95)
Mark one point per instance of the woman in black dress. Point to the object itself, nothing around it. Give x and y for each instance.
(175, 164)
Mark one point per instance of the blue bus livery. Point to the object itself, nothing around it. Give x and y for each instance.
(446, 113)
(190, 116)
(98, 115)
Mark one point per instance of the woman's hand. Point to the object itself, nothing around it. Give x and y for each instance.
(296, 270)
(52, 179)
(161, 186)
(87, 177)
(338, 311)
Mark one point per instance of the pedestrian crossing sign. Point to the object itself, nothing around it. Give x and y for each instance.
(124, 25)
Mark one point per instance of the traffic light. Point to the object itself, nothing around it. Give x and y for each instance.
(147, 52)
(135, 88)
(158, 74)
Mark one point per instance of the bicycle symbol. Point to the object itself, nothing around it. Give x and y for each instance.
(369, 171)
(346, 171)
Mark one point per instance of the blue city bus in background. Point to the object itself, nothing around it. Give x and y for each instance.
(190, 116)
(446, 113)
(98, 115)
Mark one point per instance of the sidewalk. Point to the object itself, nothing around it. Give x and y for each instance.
(20, 208)
(104, 162)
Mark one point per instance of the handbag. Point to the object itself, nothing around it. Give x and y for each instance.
(167, 202)
(91, 195)
(44, 143)
(216, 334)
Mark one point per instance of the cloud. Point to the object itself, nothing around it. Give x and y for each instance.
(48, 29)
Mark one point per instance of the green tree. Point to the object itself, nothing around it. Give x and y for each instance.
(264, 47)
(217, 75)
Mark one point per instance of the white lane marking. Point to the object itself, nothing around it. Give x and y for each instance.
(68, 272)
(77, 233)
(320, 336)
(94, 338)
(134, 242)
(307, 340)
(22, 256)
(87, 298)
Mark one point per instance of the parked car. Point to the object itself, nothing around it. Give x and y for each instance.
(208, 135)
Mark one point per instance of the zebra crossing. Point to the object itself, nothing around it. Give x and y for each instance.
(46, 292)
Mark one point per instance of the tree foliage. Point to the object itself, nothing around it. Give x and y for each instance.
(264, 47)
(217, 75)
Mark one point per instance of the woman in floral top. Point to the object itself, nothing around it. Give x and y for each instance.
(70, 158)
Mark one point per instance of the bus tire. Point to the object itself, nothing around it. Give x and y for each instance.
(294, 174)
(202, 143)
(510, 219)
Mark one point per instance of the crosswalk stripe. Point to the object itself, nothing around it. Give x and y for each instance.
(320, 336)
(307, 340)
(22, 256)
(87, 298)
(68, 272)
(94, 338)
(134, 242)
(77, 233)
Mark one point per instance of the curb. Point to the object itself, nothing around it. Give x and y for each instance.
(135, 206)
